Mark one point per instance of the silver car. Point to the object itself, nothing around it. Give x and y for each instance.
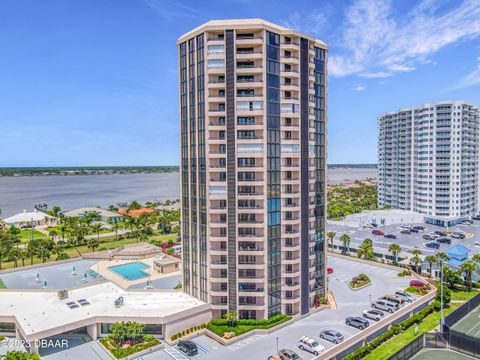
(331, 335)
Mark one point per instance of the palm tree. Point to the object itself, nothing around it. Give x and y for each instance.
(476, 258)
(469, 268)
(365, 250)
(53, 234)
(93, 243)
(395, 250)
(56, 211)
(63, 230)
(134, 205)
(331, 236)
(131, 222)
(43, 253)
(31, 250)
(23, 256)
(114, 223)
(345, 239)
(431, 259)
(96, 228)
(14, 254)
(416, 259)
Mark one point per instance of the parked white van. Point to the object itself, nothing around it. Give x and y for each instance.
(385, 305)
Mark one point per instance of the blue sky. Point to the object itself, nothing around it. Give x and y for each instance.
(94, 82)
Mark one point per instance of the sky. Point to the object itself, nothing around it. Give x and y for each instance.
(94, 82)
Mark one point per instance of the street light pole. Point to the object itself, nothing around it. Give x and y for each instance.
(370, 296)
(441, 296)
(277, 345)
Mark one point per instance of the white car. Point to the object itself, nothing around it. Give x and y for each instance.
(310, 345)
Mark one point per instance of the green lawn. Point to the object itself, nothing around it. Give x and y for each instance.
(390, 347)
(458, 295)
(2, 284)
(428, 324)
(26, 235)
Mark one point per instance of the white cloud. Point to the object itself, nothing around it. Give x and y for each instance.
(358, 87)
(377, 40)
(470, 79)
(170, 10)
(314, 23)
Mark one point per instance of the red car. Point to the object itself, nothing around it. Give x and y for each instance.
(417, 283)
(329, 270)
(378, 232)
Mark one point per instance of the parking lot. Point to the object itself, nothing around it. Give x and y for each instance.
(413, 240)
(261, 346)
(349, 303)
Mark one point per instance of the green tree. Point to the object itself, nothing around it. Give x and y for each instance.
(365, 250)
(331, 236)
(134, 205)
(451, 278)
(6, 244)
(56, 211)
(430, 259)
(416, 260)
(469, 268)
(395, 249)
(53, 234)
(14, 255)
(476, 258)
(20, 355)
(93, 243)
(345, 239)
(231, 317)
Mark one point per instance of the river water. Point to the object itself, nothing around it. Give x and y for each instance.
(71, 192)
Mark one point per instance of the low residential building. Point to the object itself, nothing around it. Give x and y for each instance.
(104, 215)
(35, 218)
(136, 212)
(166, 264)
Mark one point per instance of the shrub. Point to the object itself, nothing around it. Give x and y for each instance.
(20, 355)
(221, 326)
(401, 274)
(174, 337)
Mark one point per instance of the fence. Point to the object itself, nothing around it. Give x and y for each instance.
(429, 340)
(461, 341)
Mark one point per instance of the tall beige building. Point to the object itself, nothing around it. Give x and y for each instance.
(253, 140)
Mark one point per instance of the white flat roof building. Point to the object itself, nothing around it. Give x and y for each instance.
(41, 314)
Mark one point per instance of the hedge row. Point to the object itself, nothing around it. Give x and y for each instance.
(220, 326)
(395, 329)
(188, 331)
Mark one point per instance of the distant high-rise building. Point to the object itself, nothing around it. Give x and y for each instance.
(253, 138)
(428, 159)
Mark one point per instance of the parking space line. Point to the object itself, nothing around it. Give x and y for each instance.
(175, 354)
(245, 342)
(201, 348)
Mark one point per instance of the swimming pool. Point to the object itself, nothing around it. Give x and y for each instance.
(131, 271)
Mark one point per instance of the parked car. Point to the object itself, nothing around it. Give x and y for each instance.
(332, 335)
(385, 305)
(311, 345)
(407, 297)
(432, 245)
(378, 232)
(287, 354)
(429, 237)
(444, 240)
(405, 231)
(357, 321)
(467, 222)
(329, 270)
(417, 283)
(414, 230)
(440, 233)
(393, 298)
(418, 227)
(373, 314)
(458, 235)
(476, 217)
(405, 226)
(390, 236)
(188, 347)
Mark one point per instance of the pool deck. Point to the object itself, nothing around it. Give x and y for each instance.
(102, 268)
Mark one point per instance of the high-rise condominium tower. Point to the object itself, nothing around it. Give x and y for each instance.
(253, 116)
(428, 161)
